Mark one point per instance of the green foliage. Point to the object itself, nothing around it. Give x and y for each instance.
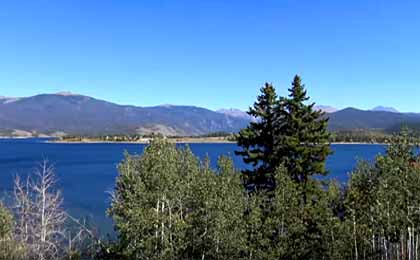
(302, 138)
(257, 140)
(108, 250)
(383, 203)
(307, 224)
(288, 132)
(6, 223)
(167, 205)
(9, 249)
(281, 226)
(216, 213)
(289, 216)
(360, 136)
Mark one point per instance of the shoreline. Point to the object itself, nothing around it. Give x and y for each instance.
(179, 140)
(189, 141)
(147, 141)
(359, 143)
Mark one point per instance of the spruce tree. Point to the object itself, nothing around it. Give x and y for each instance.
(288, 132)
(257, 141)
(301, 137)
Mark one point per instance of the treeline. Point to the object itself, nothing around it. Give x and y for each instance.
(370, 136)
(230, 137)
(168, 204)
(360, 136)
(107, 138)
(343, 136)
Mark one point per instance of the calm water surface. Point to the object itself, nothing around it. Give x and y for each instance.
(86, 172)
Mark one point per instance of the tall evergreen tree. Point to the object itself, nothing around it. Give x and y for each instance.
(301, 137)
(288, 132)
(257, 140)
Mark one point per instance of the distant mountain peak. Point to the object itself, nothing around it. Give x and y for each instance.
(234, 112)
(385, 109)
(6, 100)
(165, 105)
(66, 93)
(326, 109)
(4, 97)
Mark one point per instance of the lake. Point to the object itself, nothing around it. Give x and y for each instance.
(86, 172)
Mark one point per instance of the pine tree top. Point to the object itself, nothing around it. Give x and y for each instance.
(298, 92)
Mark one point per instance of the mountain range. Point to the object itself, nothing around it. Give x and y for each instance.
(66, 113)
(356, 119)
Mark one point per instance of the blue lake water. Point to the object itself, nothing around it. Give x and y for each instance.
(86, 172)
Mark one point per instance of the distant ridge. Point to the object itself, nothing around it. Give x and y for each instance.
(74, 114)
(352, 118)
(4, 99)
(67, 113)
(326, 109)
(67, 93)
(386, 109)
(235, 113)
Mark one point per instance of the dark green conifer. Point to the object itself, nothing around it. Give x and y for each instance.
(301, 137)
(257, 140)
(288, 132)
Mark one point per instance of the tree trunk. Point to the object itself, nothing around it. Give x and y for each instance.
(355, 239)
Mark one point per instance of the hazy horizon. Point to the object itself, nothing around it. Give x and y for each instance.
(379, 107)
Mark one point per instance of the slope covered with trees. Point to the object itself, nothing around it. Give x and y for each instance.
(82, 115)
(356, 119)
(72, 114)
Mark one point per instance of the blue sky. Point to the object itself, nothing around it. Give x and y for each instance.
(215, 53)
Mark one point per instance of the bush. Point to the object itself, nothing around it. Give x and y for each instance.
(6, 223)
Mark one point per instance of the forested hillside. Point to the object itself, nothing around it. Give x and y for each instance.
(71, 114)
(60, 114)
